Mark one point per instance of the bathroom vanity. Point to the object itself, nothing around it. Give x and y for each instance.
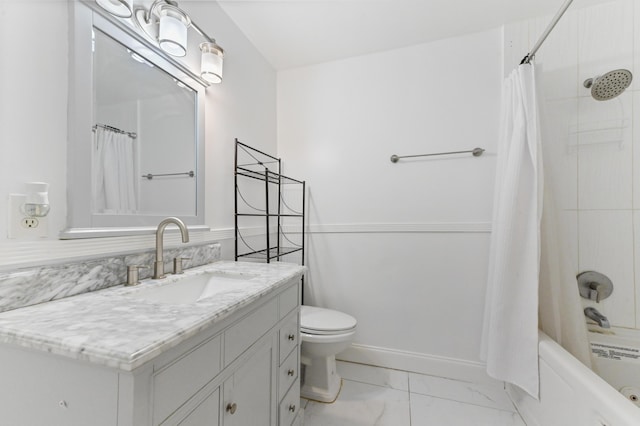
(130, 356)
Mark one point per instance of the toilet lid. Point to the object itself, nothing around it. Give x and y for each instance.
(315, 320)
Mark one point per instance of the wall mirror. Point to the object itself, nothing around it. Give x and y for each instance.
(136, 132)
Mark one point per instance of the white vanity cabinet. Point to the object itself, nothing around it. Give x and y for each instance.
(247, 394)
(41, 389)
(207, 413)
(241, 371)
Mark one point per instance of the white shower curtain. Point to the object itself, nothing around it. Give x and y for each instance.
(510, 328)
(114, 172)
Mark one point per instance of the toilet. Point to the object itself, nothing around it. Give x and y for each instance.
(324, 333)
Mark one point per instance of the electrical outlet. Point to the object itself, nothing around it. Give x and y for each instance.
(21, 226)
(29, 222)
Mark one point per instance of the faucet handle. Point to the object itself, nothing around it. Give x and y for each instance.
(596, 290)
(133, 274)
(594, 286)
(177, 264)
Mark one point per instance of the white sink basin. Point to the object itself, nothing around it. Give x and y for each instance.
(191, 289)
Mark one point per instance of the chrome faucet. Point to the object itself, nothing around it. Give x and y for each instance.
(158, 266)
(601, 320)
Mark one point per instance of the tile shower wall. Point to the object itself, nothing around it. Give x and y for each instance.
(592, 148)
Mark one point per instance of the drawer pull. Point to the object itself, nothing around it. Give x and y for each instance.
(231, 408)
(291, 372)
(292, 408)
(292, 337)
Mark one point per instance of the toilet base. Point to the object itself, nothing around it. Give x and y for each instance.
(321, 381)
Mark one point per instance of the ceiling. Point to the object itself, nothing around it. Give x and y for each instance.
(295, 33)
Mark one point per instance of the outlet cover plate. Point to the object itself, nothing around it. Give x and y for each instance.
(15, 226)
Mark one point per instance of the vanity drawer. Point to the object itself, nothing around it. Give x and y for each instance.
(289, 336)
(245, 332)
(288, 373)
(290, 405)
(174, 384)
(289, 300)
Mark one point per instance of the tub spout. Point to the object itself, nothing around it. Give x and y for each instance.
(592, 313)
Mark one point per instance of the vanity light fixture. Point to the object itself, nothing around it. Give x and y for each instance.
(211, 62)
(167, 24)
(172, 32)
(119, 8)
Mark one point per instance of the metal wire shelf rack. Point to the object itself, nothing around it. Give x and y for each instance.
(259, 166)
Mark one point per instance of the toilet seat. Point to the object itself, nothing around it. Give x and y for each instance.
(321, 321)
(345, 336)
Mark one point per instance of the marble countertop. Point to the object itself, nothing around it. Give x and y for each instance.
(110, 327)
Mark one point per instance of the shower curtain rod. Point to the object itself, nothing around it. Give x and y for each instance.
(546, 33)
(132, 135)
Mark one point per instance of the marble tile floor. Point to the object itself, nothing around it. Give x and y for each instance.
(373, 396)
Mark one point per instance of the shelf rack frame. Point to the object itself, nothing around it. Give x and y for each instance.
(268, 171)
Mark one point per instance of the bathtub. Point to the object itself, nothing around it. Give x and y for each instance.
(573, 395)
(616, 358)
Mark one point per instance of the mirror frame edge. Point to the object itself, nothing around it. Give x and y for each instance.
(83, 16)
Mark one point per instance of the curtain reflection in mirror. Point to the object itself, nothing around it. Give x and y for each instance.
(115, 171)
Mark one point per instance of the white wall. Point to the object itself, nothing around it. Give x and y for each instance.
(33, 119)
(33, 103)
(402, 247)
(593, 147)
(243, 107)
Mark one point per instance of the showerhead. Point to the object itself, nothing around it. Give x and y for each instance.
(609, 85)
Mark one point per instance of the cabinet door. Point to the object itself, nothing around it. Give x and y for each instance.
(43, 389)
(248, 394)
(174, 384)
(205, 414)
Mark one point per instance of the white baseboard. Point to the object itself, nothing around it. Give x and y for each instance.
(433, 365)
